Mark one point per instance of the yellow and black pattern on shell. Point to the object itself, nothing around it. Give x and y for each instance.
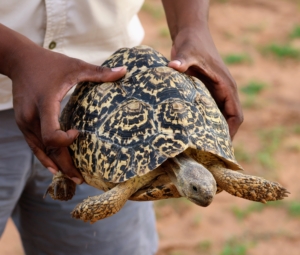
(131, 126)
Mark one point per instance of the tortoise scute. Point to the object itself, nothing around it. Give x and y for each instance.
(136, 59)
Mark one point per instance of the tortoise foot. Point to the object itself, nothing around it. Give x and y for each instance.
(262, 190)
(256, 189)
(105, 205)
(95, 208)
(61, 188)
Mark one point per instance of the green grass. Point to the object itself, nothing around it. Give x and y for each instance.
(249, 103)
(295, 32)
(176, 253)
(234, 59)
(256, 28)
(296, 129)
(253, 88)
(156, 12)
(284, 51)
(234, 247)
(241, 154)
(164, 32)
(291, 207)
(220, 1)
(270, 141)
(197, 220)
(241, 214)
(203, 246)
(228, 35)
(294, 208)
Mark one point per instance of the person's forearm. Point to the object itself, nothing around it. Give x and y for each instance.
(11, 44)
(185, 14)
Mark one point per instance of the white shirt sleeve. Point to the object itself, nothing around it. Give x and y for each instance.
(90, 30)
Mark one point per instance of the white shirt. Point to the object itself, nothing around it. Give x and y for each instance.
(90, 30)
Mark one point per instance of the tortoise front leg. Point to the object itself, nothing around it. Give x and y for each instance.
(247, 186)
(105, 205)
(61, 188)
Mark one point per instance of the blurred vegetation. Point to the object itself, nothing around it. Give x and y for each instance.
(294, 208)
(296, 32)
(251, 90)
(241, 214)
(241, 154)
(296, 129)
(156, 11)
(204, 246)
(164, 32)
(281, 51)
(270, 141)
(291, 207)
(235, 247)
(234, 59)
(176, 253)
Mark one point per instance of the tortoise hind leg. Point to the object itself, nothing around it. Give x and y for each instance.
(61, 188)
(107, 204)
(246, 186)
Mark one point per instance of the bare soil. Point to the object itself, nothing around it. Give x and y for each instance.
(267, 144)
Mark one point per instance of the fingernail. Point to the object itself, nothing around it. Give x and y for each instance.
(52, 170)
(176, 62)
(117, 69)
(76, 180)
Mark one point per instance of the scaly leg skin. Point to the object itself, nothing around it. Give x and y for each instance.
(99, 207)
(61, 188)
(159, 188)
(246, 186)
(163, 191)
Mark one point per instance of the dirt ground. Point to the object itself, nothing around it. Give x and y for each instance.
(260, 43)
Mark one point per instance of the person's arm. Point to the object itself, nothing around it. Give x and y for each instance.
(41, 78)
(194, 52)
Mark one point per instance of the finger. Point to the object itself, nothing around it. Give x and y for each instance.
(56, 141)
(186, 62)
(179, 60)
(233, 124)
(36, 147)
(52, 135)
(233, 113)
(101, 74)
(62, 158)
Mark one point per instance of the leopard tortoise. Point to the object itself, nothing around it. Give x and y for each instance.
(154, 134)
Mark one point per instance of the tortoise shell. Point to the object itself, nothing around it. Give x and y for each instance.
(131, 126)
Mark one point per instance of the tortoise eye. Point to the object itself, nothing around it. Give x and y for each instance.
(195, 188)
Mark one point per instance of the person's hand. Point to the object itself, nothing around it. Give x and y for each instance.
(194, 52)
(41, 79)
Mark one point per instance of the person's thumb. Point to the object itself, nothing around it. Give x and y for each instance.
(180, 60)
(101, 74)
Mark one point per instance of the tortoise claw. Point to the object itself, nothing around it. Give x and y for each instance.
(61, 188)
(46, 192)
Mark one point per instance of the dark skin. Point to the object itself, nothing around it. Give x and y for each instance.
(41, 78)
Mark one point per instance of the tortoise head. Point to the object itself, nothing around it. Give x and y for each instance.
(191, 179)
